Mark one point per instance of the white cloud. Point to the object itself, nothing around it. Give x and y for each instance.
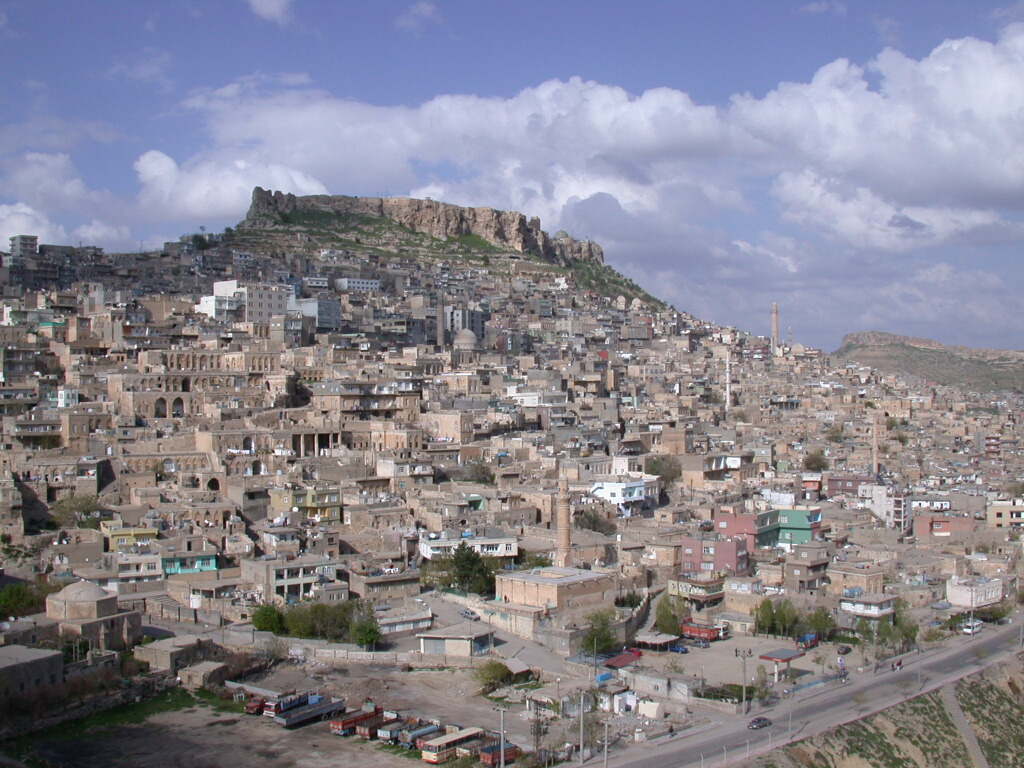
(51, 182)
(277, 11)
(824, 6)
(208, 190)
(111, 237)
(150, 66)
(417, 16)
(21, 219)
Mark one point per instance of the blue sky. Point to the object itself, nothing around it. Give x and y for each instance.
(860, 163)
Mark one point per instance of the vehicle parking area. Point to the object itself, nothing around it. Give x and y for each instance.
(721, 662)
(201, 737)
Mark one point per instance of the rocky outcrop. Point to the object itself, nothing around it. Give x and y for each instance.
(502, 229)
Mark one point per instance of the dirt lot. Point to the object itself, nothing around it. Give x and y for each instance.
(205, 737)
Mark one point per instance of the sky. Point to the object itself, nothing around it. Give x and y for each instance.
(860, 163)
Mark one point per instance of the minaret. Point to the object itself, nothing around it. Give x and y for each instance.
(874, 444)
(775, 328)
(562, 523)
(728, 379)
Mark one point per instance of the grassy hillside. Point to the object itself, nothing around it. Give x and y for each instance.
(309, 231)
(973, 369)
(920, 733)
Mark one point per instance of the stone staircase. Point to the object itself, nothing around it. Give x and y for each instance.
(948, 693)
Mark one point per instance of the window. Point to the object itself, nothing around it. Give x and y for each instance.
(707, 566)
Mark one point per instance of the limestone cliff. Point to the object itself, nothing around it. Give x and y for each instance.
(502, 229)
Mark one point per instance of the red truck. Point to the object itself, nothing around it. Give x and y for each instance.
(347, 722)
(491, 754)
(255, 705)
(368, 728)
(275, 707)
(701, 631)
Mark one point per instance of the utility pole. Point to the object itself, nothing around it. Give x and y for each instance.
(605, 744)
(581, 727)
(744, 655)
(501, 714)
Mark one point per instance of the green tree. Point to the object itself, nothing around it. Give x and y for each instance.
(592, 520)
(599, 636)
(366, 631)
(478, 472)
(764, 617)
(471, 572)
(865, 630)
(821, 622)
(835, 433)
(815, 461)
(528, 560)
(492, 674)
(268, 618)
(665, 467)
(1014, 489)
(891, 423)
(70, 511)
(668, 615)
(785, 617)
(18, 600)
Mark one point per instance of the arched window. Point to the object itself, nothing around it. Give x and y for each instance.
(160, 408)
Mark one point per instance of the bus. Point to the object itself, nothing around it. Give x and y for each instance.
(442, 749)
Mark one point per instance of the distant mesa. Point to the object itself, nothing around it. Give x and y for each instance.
(987, 370)
(502, 229)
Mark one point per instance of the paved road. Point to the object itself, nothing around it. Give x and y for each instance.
(803, 715)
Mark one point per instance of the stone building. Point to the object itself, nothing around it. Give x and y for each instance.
(85, 610)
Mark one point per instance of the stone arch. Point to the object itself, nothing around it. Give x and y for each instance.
(247, 443)
(168, 466)
(178, 408)
(186, 384)
(160, 408)
(257, 467)
(213, 484)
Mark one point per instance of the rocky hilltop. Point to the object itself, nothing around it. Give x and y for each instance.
(502, 229)
(977, 369)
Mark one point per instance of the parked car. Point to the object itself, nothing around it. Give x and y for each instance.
(701, 644)
(971, 627)
(758, 723)
(466, 613)
(679, 649)
(842, 650)
(634, 651)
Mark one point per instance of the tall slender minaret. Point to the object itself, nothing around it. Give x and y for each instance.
(563, 523)
(728, 379)
(775, 328)
(874, 444)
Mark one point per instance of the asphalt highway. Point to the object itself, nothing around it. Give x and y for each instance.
(810, 712)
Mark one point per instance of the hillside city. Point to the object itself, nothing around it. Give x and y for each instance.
(220, 460)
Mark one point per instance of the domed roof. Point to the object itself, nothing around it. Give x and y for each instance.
(82, 592)
(465, 338)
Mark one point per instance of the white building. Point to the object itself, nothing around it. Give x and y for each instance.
(248, 302)
(631, 493)
(972, 593)
(357, 284)
(436, 545)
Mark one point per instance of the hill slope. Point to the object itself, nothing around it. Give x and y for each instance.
(921, 732)
(425, 230)
(977, 369)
